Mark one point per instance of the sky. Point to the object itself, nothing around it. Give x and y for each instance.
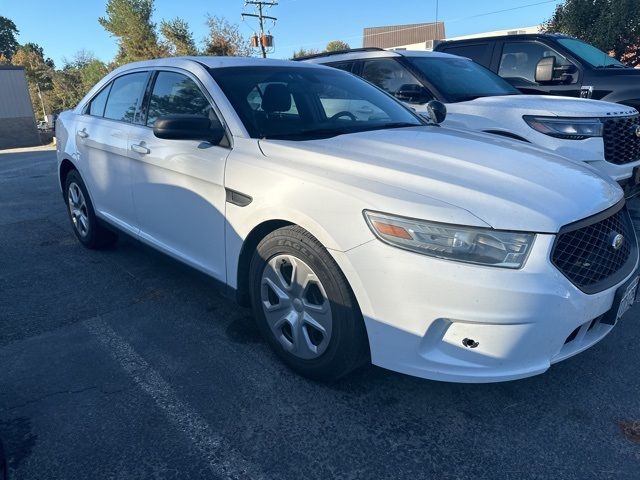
(64, 27)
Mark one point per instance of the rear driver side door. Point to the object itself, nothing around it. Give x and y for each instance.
(178, 185)
(101, 137)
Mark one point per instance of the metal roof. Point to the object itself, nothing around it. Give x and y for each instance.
(397, 35)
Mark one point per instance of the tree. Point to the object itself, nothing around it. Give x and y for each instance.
(8, 42)
(303, 52)
(336, 46)
(39, 72)
(225, 39)
(130, 22)
(178, 37)
(610, 25)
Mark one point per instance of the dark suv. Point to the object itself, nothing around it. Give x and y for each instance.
(552, 64)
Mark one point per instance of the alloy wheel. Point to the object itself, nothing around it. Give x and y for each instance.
(78, 209)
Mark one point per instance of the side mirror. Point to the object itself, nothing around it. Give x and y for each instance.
(544, 69)
(437, 111)
(412, 93)
(188, 127)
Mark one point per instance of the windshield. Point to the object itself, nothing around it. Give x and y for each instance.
(303, 103)
(459, 79)
(590, 54)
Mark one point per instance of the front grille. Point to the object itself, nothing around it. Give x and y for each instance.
(584, 251)
(621, 143)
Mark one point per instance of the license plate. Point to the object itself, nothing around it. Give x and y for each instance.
(628, 298)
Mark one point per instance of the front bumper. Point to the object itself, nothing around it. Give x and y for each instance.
(424, 316)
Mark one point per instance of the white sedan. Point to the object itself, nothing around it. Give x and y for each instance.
(355, 234)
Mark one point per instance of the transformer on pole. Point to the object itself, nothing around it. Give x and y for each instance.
(262, 40)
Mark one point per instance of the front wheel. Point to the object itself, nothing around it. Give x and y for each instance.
(304, 306)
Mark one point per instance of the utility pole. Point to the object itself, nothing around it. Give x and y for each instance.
(260, 5)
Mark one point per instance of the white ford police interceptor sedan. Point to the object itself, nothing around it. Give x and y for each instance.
(605, 135)
(444, 254)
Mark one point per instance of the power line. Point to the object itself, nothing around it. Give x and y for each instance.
(260, 5)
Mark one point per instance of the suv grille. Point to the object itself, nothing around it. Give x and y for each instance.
(584, 251)
(621, 143)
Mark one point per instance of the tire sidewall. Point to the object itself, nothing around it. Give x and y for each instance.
(90, 239)
(346, 317)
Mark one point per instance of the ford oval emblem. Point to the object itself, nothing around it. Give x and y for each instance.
(617, 240)
(638, 131)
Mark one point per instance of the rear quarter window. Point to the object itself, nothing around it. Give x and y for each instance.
(478, 52)
(346, 66)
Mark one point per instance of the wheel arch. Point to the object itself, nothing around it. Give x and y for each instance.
(249, 246)
(66, 166)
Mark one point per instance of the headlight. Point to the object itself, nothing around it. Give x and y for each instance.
(482, 246)
(567, 128)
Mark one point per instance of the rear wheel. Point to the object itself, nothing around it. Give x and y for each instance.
(83, 218)
(304, 306)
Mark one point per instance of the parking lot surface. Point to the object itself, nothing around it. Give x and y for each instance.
(124, 364)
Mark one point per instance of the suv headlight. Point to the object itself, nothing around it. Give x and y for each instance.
(567, 128)
(483, 246)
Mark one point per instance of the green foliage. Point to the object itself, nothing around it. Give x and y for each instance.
(130, 22)
(178, 37)
(8, 42)
(304, 52)
(610, 25)
(336, 46)
(225, 39)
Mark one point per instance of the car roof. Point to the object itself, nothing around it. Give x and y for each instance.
(212, 62)
(357, 54)
(515, 36)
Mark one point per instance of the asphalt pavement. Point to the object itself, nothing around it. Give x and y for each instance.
(124, 364)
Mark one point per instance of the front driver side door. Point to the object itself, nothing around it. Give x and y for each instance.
(178, 185)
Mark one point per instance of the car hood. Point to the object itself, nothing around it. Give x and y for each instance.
(545, 105)
(506, 184)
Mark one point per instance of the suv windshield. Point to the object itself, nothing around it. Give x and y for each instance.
(460, 79)
(590, 54)
(303, 103)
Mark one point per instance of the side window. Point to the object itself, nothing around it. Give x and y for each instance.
(346, 66)
(174, 93)
(519, 59)
(478, 52)
(126, 92)
(389, 75)
(97, 104)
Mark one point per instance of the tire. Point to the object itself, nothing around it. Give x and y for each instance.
(312, 321)
(83, 219)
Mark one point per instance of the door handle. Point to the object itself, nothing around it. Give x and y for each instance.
(83, 133)
(136, 147)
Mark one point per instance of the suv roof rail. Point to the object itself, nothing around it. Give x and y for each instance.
(339, 52)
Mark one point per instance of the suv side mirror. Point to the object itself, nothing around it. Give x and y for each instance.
(437, 111)
(412, 93)
(188, 127)
(544, 69)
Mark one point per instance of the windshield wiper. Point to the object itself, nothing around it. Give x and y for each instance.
(613, 65)
(308, 134)
(384, 126)
(318, 133)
